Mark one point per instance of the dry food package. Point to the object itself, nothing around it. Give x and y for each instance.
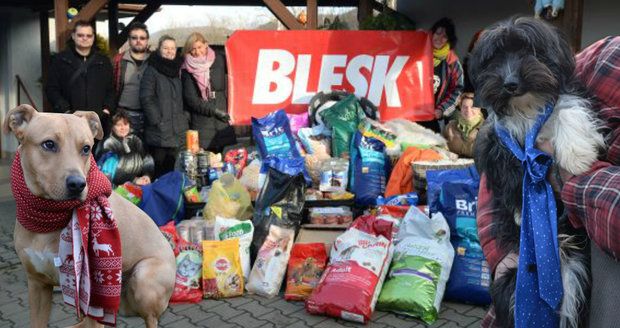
(188, 277)
(244, 231)
(422, 262)
(270, 264)
(359, 261)
(221, 270)
(305, 268)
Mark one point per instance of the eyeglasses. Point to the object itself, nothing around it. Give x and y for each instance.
(141, 38)
(87, 36)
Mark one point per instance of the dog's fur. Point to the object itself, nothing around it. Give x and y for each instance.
(148, 262)
(518, 66)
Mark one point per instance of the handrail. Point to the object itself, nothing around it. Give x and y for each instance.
(21, 85)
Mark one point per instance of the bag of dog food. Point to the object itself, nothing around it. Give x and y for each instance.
(420, 268)
(221, 269)
(470, 277)
(343, 119)
(304, 270)
(188, 279)
(244, 230)
(359, 261)
(170, 233)
(370, 169)
(273, 135)
(270, 265)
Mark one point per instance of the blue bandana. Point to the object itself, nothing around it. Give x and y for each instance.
(539, 288)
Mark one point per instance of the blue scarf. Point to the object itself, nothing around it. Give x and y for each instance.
(539, 281)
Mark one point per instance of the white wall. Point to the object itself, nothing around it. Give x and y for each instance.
(20, 54)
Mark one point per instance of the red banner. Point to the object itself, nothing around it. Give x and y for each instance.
(269, 70)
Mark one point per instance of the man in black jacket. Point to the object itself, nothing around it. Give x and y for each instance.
(80, 78)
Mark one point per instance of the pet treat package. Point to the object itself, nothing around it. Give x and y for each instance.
(359, 261)
(304, 270)
(270, 265)
(343, 119)
(188, 279)
(316, 140)
(169, 231)
(244, 230)
(221, 269)
(470, 277)
(273, 135)
(420, 268)
(298, 121)
(373, 129)
(408, 199)
(370, 167)
(334, 175)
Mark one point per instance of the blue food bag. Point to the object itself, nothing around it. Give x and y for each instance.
(273, 135)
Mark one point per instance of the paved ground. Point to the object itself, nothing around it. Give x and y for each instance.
(247, 311)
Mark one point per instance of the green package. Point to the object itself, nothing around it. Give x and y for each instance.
(343, 119)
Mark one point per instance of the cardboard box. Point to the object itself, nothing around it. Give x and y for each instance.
(312, 235)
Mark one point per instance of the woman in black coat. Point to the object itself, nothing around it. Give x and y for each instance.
(204, 91)
(161, 97)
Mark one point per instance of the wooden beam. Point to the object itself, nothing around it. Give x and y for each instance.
(87, 13)
(279, 10)
(60, 15)
(313, 15)
(113, 43)
(143, 16)
(45, 55)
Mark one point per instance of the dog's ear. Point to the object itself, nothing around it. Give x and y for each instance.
(17, 119)
(93, 122)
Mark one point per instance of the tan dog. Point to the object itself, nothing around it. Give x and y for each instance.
(148, 261)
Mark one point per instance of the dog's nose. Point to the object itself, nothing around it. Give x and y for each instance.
(511, 86)
(75, 184)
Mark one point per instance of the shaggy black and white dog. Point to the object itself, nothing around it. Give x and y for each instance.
(518, 66)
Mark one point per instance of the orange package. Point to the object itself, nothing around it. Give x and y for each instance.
(305, 268)
(192, 141)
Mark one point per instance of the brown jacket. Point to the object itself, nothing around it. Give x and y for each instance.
(456, 143)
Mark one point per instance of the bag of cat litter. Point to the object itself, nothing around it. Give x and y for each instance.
(270, 265)
(232, 228)
(359, 261)
(222, 273)
(188, 279)
(420, 267)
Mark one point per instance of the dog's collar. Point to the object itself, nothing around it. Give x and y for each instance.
(42, 215)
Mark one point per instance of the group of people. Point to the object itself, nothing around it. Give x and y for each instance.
(146, 101)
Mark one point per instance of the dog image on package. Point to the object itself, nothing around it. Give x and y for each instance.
(71, 227)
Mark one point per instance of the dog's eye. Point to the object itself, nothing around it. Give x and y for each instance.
(86, 150)
(49, 145)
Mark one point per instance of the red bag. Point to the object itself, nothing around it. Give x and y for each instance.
(305, 268)
(170, 233)
(188, 281)
(359, 262)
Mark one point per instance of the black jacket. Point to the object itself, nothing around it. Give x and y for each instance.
(214, 134)
(77, 84)
(133, 161)
(161, 97)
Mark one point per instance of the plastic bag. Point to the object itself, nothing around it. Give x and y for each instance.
(286, 165)
(343, 119)
(229, 199)
(408, 199)
(244, 230)
(420, 268)
(130, 192)
(470, 277)
(305, 268)
(298, 121)
(270, 265)
(273, 135)
(358, 264)
(316, 140)
(163, 199)
(370, 169)
(280, 201)
(221, 269)
(189, 276)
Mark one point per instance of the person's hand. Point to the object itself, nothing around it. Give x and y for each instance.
(143, 180)
(438, 113)
(557, 176)
(221, 115)
(508, 262)
(106, 111)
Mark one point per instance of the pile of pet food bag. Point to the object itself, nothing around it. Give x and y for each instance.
(391, 254)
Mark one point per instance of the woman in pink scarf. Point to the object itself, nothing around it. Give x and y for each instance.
(204, 93)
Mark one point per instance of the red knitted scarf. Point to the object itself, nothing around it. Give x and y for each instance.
(90, 244)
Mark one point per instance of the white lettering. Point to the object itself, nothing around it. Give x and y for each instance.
(382, 78)
(267, 74)
(354, 75)
(302, 73)
(327, 77)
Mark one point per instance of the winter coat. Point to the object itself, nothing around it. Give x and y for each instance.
(451, 85)
(77, 84)
(133, 161)
(214, 133)
(459, 144)
(161, 98)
